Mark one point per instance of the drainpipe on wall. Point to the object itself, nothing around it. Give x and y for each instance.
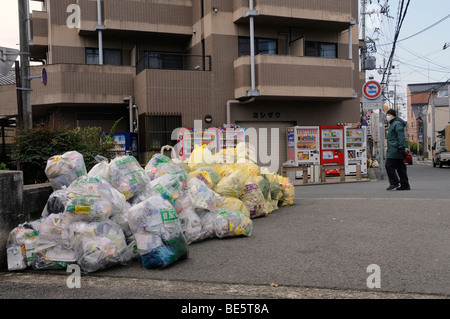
(235, 102)
(100, 27)
(350, 49)
(350, 39)
(252, 13)
(130, 111)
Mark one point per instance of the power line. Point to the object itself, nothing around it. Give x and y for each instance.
(422, 31)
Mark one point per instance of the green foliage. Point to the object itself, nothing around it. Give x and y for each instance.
(3, 167)
(412, 147)
(34, 147)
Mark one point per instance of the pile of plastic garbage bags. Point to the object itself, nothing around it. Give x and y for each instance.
(120, 211)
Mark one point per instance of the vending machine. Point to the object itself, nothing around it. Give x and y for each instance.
(187, 139)
(303, 145)
(230, 137)
(125, 144)
(332, 148)
(355, 149)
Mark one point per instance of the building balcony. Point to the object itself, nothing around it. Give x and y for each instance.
(130, 17)
(39, 34)
(82, 84)
(322, 14)
(173, 61)
(296, 78)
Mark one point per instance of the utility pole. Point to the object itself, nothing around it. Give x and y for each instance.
(25, 65)
(363, 32)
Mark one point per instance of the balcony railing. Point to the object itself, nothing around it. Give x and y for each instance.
(173, 61)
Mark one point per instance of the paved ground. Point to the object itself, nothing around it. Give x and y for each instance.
(319, 248)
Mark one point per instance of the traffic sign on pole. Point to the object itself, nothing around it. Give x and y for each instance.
(372, 90)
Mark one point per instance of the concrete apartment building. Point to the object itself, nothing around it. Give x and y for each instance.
(183, 60)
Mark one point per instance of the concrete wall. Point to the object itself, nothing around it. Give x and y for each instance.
(18, 204)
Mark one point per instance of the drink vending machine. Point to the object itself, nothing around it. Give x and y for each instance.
(126, 144)
(355, 149)
(332, 148)
(230, 137)
(217, 139)
(303, 146)
(188, 138)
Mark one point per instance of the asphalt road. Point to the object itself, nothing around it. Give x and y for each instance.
(320, 248)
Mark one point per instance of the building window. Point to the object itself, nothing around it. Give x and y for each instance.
(110, 56)
(166, 61)
(159, 130)
(320, 49)
(442, 93)
(262, 46)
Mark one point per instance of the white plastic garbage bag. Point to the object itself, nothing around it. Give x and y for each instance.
(62, 170)
(126, 174)
(101, 168)
(157, 231)
(21, 244)
(53, 249)
(56, 202)
(232, 223)
(97, 245)
(94, 199)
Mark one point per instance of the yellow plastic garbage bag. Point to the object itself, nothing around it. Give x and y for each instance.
(204, 176)
(231, 203)
(233, 184)
(288, 192)
(200, 156)
(225, 169)
(253, 199)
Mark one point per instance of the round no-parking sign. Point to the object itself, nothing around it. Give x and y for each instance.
(372, 90)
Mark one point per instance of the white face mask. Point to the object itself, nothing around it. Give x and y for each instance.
(389, 118)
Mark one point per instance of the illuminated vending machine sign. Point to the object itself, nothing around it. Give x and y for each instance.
(332, 147)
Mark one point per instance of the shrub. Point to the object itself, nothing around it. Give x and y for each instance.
(34, 147)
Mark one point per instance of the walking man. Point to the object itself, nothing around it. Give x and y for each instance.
(395, 167)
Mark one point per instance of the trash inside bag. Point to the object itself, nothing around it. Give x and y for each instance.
(191, 223)
(168, 186)
(160, 164)
(200, 156)
(94, 199)
(101, 168)
(157, 230)
(232, 223)
(53, 249)
(126, 174)
(233, 184)
(288, 192)
(97, 245)
(62, 170)
(21, 245)
(254, 200)
(56, 202)
(230, 203)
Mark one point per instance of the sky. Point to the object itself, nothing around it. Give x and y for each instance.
(419, 55)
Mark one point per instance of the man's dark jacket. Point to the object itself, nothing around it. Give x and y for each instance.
(396, 139)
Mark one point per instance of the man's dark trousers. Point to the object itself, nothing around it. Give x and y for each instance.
(394, 166)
